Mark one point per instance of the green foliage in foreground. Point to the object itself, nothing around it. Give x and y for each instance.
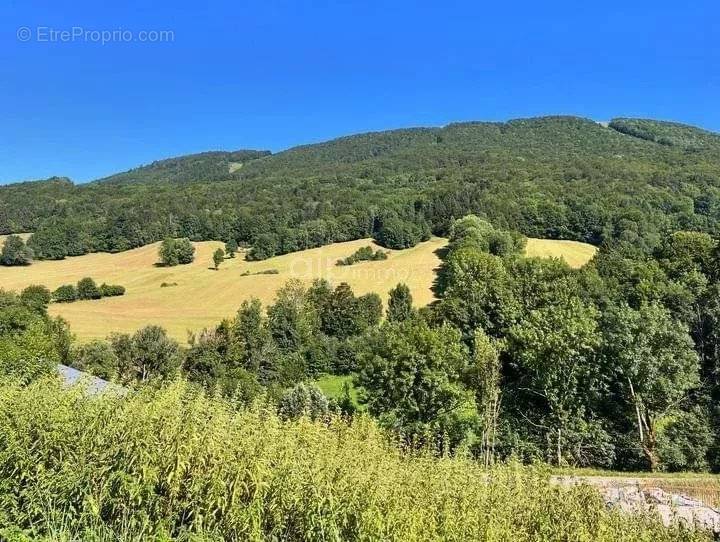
(172, 464)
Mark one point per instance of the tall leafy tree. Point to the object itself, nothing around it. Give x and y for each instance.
(555, 350)
(656, 367)
(15, 252)
(400, 303)
(231, 247)
(412, 377)
(218, 258)
(149, 354)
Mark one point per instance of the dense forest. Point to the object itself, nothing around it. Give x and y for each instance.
(554, 177)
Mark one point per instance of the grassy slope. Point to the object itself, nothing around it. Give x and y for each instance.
(203, 296)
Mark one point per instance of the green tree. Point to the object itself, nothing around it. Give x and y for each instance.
(218, 257)
(342, 317)
(176, 251)
(15, 252)
(149, 354)
(411, 375)
(685, 440)
(292, 318)
(370, 309)
(37, 297)
(97, 358)
(483, 377)
(87, 289)
(168, 253)
(67, 293)
(398, 233)
(477, 292)
(265, 245)
(656, 366)
(185, 251)
(556, 347)
(400, 304)
(252, 343)
(231, 247)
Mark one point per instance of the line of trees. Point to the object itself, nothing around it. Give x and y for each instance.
(85, 289)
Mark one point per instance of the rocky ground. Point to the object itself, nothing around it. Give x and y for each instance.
(639, 495)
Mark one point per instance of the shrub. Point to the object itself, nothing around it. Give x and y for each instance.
(66, 293)
(363, 254)
(87, 289)
(303, 400)
(111, 290)
(37, 297)
(96, 357)
(247, 272)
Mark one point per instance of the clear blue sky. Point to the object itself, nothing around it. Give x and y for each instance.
(271, 74)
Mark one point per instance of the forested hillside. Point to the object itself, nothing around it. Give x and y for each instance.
(553, 177)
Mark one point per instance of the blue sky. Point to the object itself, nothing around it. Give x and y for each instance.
(272, 74)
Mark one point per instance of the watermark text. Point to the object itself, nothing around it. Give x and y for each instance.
(79, 34)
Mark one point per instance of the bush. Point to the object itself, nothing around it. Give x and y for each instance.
(363, 254)
(87, 289)
(111, 290)
(37, 297)
(247, 272)
(172, 464)
(303, 400)
(97, 358)
(65, 294)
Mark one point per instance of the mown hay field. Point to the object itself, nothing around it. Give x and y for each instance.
(575, 253)
(24, 236)
(199, 296)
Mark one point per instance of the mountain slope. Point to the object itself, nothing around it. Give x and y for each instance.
(553, 177)
(668, 133)
(213, 165)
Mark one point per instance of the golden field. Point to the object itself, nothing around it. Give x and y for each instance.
(203, 296)
(575, 253)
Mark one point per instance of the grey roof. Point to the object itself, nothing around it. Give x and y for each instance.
(92, 384)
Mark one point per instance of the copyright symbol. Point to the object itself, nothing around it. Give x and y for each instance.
(24, 33)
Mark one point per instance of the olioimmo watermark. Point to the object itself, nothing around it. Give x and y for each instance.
(79, 34)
